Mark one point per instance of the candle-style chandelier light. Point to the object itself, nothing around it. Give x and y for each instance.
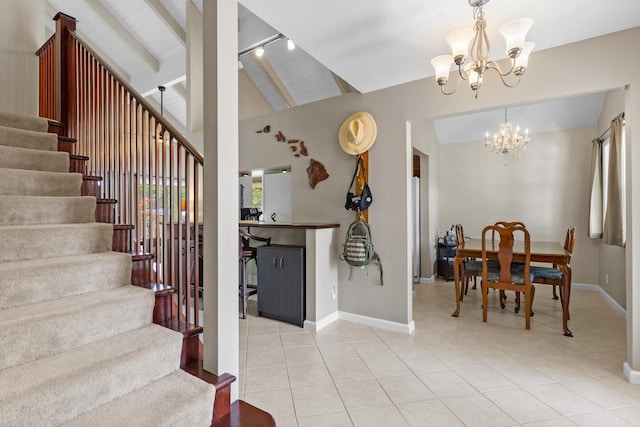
(507, 140)
(518, 50)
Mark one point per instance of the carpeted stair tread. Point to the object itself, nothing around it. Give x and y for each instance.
(33, 281)
(38, 183)
(58, 388)
(12, 137)
(30, 159)
(35, 331)
(23, 121)
(179, 399)
(23, 242)
(31, 210)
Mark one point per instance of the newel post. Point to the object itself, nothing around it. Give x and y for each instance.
(65, 72)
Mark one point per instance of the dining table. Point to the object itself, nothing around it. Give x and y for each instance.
(541, 252)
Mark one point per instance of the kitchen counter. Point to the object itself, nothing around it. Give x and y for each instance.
(321, 259)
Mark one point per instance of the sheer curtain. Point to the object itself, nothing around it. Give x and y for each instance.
(595, 206)
(613, 232)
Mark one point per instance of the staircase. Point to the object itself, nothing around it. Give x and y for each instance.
(78, 345)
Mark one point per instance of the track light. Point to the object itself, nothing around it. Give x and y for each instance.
(258, 47)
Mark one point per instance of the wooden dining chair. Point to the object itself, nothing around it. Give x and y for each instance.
(553, 275)
(515, 264)
(507, 278)
(469, 267)
(246, 253)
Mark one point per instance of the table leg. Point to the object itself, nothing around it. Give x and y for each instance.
(456, 278)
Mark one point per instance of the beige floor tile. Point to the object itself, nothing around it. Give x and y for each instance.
(291, 422)
(362, 394)
(316, 400)
(521, 405)
(374, 347)
(383, 416)
(348, 370)
(599, 419)
(485, 378)
(358, 334)
(446, 384)
(337, 351)
(478, 411)
(559, 368)
(386, 366)
(567, 402)
(338, 419)
(423, 361)
(258, 379)
(558, 422)
(457, 358)
(406, 388)
(263, 329)
(522, 374)
(598, 392)
(308, 374)
(288, 328)
(298, 355)
(276, 402)
(429, 413)
(298, 339)
(265, 357)
(256, 342)
(529, 363)
(490, 354)
(630, 414)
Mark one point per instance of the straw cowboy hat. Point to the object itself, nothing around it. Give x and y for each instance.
(358, 133)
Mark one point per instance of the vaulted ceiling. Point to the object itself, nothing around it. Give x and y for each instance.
(342, 46)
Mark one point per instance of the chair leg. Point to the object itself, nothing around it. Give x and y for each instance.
(527, 308)
(555, 295)
(484, 291)
(243, 290)
(517, 309)
(503, 296)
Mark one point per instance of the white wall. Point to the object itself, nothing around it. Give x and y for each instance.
(21, 35)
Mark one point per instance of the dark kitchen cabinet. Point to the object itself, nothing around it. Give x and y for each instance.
(281, 283)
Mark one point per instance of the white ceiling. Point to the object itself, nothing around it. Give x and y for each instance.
(371, 44)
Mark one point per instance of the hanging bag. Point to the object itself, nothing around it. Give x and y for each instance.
(362, 201)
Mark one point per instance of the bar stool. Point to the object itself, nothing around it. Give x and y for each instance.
(247, 253)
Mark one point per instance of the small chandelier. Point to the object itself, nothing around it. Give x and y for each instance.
(518, 50)
(507, 140)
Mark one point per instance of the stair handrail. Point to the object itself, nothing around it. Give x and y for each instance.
(161, 197)
(147, 105)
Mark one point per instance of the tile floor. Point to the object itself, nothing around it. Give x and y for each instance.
(450, 371)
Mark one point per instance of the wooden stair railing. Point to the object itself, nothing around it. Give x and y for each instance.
(148, 182)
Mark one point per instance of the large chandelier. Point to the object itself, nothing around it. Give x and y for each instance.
(518, 50)
(507, 140)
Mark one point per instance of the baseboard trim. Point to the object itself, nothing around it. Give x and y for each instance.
(632, 376)
(427, 280)
(596, 288)
(322, 323)
(378, 323)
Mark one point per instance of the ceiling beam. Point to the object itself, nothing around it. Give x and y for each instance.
(342, 85)
(51, 11)
(180, 90)
(168, 20)
(275, 80)
(127, 36)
